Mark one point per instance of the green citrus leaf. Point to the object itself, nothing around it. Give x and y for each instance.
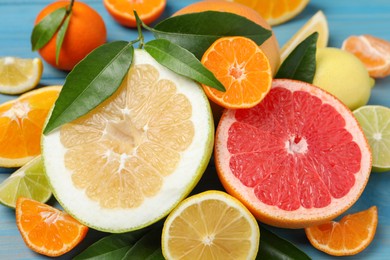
(275, 247)
(141, 244)
(46, 28)
(196, 32)
(91, 81)
(181, 62)
(301, 63)
(61, 35)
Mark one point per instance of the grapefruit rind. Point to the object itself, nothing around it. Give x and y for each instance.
(301, 217)
(176, 186)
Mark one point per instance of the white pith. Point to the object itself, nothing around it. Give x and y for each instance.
(175, 187)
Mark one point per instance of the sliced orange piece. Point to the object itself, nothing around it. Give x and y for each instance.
(276, 11)
(123, 10)
(242, 68)
(350, 236)
(47, 230)
(372, 51)
(21, 123)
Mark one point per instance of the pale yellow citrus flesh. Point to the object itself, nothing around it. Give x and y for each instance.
(210, 225)
(109, 150)
(19, 75)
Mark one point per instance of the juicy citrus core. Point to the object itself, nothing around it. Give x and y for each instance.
(129, 161)
(296, 159)
(243, 69)
(210, 225)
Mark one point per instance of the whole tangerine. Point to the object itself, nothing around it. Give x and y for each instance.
(270, 47)
(86, 31)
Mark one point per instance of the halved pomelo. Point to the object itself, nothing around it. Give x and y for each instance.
(128, 162)
(297, 159)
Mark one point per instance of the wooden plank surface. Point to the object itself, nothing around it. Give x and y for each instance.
(345, 18)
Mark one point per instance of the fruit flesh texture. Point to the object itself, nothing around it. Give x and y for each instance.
(226, 233)
(319, 162)
(109, 150)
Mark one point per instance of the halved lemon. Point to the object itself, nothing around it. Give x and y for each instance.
(18, 75)
(130, 161)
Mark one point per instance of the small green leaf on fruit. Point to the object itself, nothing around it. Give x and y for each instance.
(61, 35)
(46, 28)
(197, 31)
(182, 62)
(301, 63)
(91, 81)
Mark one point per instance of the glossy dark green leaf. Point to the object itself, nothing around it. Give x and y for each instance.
(181, 62)
(141, 244)
(46, 28)
(91, 81)
(276, 248)
(61, 35)
(111, 247)
(301, 63)
(196, 32)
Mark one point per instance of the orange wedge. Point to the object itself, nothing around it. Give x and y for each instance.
(350, 236)
(21, 123)
(47, 230)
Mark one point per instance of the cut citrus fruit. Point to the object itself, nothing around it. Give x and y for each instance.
(372, 51)
(47, 230)
(123, 10)
(19, 75)
(375, 122)
(317, 23)
(28, 181)
(21, 123)
(242, 68)
(128, 162)
(350, 236)
(270, 47)
(276, 11)
(210, 225)
(297, 159)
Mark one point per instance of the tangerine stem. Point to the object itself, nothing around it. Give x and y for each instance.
(139, 29)
(69, 9)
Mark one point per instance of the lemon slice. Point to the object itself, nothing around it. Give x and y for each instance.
(28, 181)
(130, 161)
(317, 23)
(19, 75)
(375, 122)
(210, 225)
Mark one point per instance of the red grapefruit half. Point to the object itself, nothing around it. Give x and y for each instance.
(297, 159)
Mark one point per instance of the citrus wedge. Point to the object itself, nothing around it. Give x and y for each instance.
(375, 122)
(297, 159)
(276, 11)
(128, 162)
(28, 181)
(21, 123)
(374, 52)
(350, 236)
(47, 230)
(210, 225)
(317, 23)
(19, 75)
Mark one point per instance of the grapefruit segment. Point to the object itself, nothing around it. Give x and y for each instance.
(297, 158)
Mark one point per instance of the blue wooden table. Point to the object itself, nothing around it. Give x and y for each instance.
(345, 18)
